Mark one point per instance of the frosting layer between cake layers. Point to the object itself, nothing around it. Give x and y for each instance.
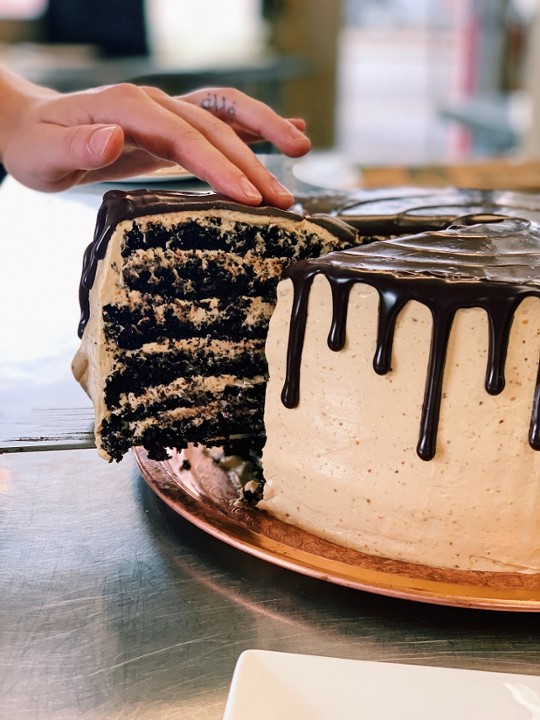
(411, 379)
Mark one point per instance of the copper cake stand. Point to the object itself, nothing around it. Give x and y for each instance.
(202, 493)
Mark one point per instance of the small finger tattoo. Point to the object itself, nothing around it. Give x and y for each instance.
(219, 105)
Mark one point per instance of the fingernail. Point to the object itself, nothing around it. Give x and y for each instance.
(295, 133)
(100, 138)
(279, 189)
(250, 190)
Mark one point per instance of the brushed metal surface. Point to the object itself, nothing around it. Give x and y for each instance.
(48, 429)
(112, 606)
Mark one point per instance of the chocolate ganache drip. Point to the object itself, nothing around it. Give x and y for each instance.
(493, 266)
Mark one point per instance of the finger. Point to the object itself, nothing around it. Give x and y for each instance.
(106, 153)
(225, 112)
(62, 155)
(251, 138)
(132, 162)
(254, 116)
(171, 129)
(223, 138)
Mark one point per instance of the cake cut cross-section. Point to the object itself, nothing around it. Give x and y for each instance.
(176, 295)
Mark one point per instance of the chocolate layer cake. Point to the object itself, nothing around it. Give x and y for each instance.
(402, 420)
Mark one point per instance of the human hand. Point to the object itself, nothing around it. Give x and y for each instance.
(57, 140)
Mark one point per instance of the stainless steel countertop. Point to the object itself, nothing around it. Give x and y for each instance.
(112, 607)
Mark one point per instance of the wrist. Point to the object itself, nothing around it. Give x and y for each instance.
(16, 97)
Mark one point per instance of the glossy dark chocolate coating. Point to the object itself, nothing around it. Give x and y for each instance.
(494, 266)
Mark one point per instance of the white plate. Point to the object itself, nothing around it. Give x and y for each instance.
(269, 685)
(172, 173)
(326, 171)
(278, 165)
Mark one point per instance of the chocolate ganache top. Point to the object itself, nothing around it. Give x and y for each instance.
(493, 264)
(411, 210)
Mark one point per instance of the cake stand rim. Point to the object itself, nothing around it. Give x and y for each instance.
(182, 493)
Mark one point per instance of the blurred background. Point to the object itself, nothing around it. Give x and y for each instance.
(395, 92)
(380, 82)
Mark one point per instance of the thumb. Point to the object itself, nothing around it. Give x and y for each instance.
(93, 146)
(58, 156)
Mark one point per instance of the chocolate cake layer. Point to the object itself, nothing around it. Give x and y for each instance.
(135, 372)
(142, 320)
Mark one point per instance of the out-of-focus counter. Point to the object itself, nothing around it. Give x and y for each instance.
(492, 174)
